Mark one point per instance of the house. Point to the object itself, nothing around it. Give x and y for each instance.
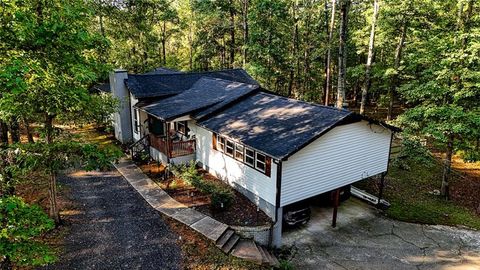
(273, 149)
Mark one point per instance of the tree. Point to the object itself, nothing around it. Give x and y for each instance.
(368, 68)
(445, 94)
(21, 225)
(51, 158)
(342, 54)
(50, 61)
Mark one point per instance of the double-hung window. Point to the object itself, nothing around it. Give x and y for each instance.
(260, 162)
(249, 156)
(229, 147)
(220, 143)
(239, 152)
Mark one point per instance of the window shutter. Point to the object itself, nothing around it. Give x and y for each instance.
(268, 166)
(214, 141)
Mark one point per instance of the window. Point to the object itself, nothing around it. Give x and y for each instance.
(260, 162)
(249, 157)
(229, 148)
(136, 116)
(243, 154)
(239, 151)
(181, 127)
(220, 143)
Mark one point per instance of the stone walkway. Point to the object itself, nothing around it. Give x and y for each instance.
(203, 224)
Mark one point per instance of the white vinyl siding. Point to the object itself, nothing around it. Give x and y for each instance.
(342, 156)
(234, 171)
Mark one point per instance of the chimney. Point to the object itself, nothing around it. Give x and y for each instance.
(122, 118)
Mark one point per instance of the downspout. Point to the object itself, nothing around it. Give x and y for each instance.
(277, 200)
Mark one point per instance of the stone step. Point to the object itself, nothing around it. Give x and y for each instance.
(270, 259)
(224, 238)
(247, 249)
(232, 241)
(265, 255)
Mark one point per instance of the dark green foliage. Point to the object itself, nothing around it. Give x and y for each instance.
(21, 225)
(221, 196)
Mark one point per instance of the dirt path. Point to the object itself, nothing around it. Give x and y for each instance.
(114, 228)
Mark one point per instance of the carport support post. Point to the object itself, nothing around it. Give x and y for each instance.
(335, 207)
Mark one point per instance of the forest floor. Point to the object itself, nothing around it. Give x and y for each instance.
(413, 193)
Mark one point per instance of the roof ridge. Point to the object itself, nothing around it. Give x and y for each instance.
(220, 79)
(191, 72)
(309, 103)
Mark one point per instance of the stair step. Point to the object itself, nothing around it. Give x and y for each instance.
(264, 254)
(224, 238)
(268, 257)
(232, 241)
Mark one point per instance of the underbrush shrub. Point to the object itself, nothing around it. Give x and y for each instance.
(221, 197)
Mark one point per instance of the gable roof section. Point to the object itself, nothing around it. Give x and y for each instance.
(207, 94)
(276, 125)
(161, 85)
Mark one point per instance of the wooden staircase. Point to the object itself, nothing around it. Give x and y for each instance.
(231, 243)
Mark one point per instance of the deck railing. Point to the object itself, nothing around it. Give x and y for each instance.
(174, 148)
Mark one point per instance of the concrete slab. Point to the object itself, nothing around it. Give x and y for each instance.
(188, 216)
(247, 249)
(364, 239)
(210, 227)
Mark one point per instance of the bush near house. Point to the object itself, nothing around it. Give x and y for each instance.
(221, 197)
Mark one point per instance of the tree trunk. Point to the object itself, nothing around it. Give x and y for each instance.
(290, 83)
(245, 32)
(3, 132)
(295, 46)
(368, 68)
(102, 28)
(164, 50)
(49, 128)
(447, 167)
(328, 75)
(232, 34)
(342, 54)
(52, 194)
(29, 131)
(15, 131)
(398, 58)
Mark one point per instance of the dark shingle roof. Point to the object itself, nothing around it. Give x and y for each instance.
(162, 70)
(205, 96)
(275, 125)
(143, 86)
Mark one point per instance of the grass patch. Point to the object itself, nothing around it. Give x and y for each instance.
(410, 192)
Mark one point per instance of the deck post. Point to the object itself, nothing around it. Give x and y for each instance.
(336, 200)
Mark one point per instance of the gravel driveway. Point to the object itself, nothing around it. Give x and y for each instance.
(365, 240)
(114, 228)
